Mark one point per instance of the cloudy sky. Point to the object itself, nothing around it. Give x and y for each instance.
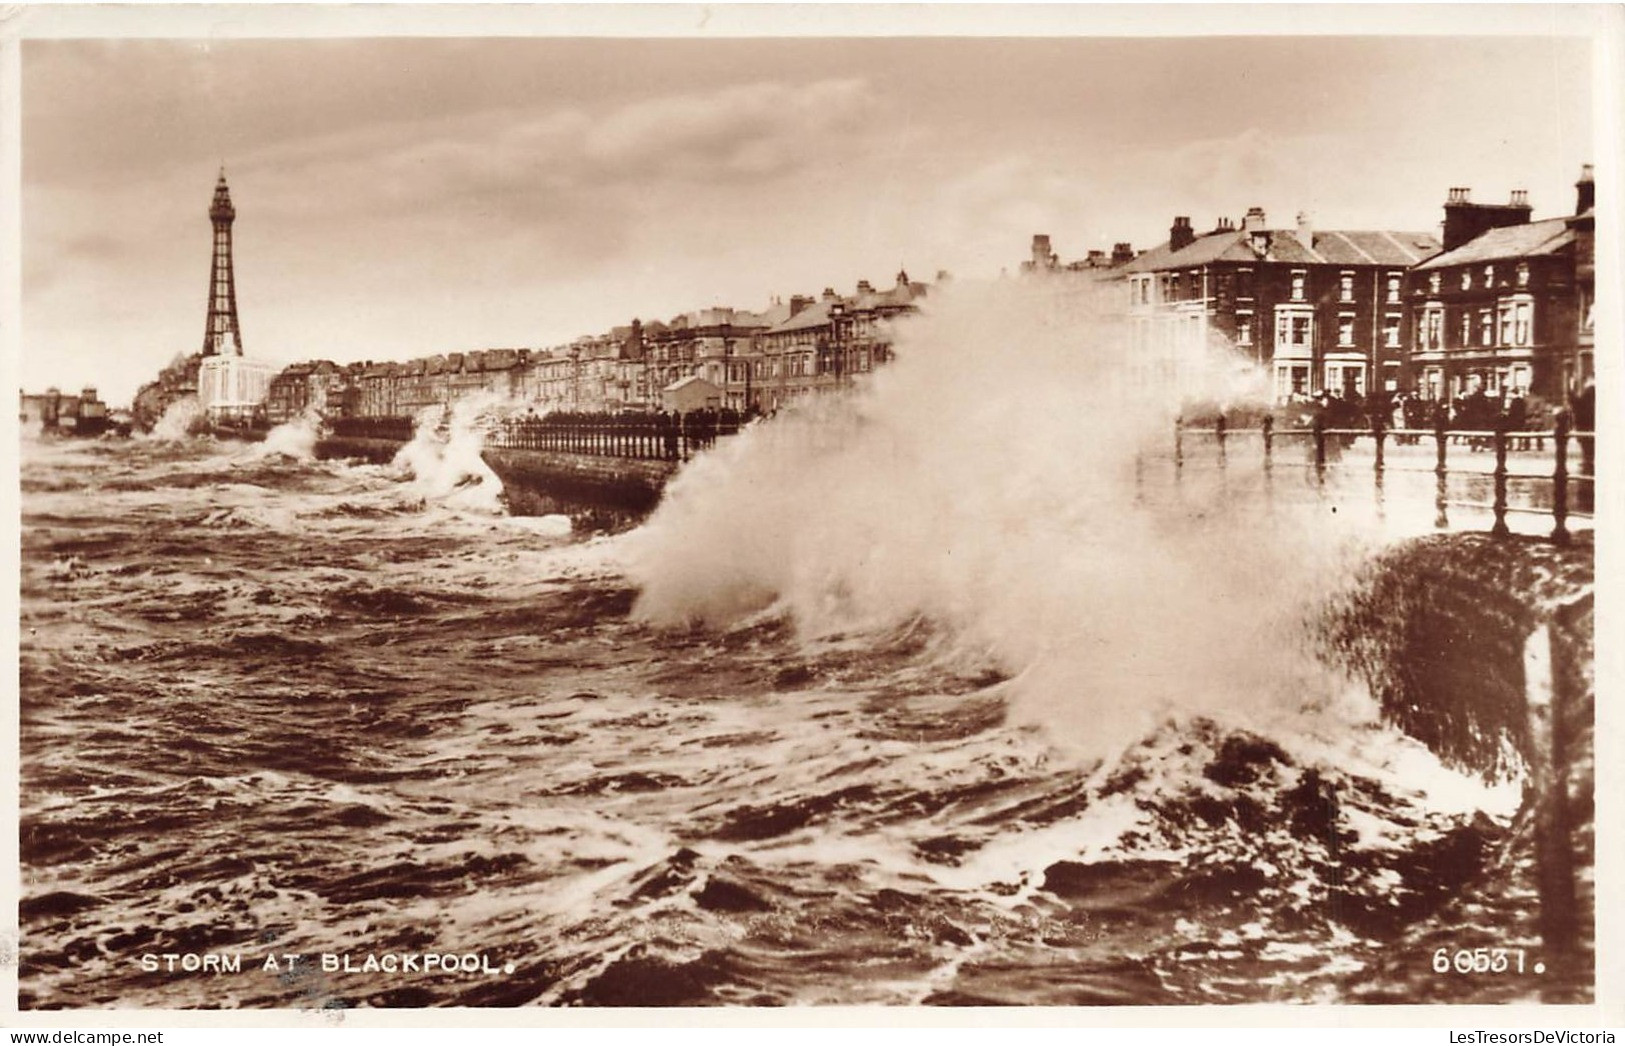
(399, 197)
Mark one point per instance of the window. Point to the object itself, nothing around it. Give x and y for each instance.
(1196, 283)
(1345, 379)
(1486, 327)
(1432, 336)
(1466, 329)
(1345, 330)
(1520, 323)
(1433, 383)
(1291, 379)
(1345, 287)
(1298, 278)
(1390, 330)
(1489, 275)
(1244, 283)
(1392, 295)
(1300, 330)
(1505, 312)
(1173, 287)
(1523, 274)
(1244, 328)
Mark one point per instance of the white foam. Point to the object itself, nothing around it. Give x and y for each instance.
(986, 480)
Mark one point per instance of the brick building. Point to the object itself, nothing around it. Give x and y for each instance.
(1506, 306)
(1320, 310)
(767, 359)
(825, 344)
(321, 385)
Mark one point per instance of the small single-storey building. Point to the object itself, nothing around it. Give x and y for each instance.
(691, 393)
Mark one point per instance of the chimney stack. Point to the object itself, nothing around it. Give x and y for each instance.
(864, 288)
(1465, 221)
(1254, 222)
(798, 302)
(1122, 252)
(1306, 230)
(1181, 235)
(1585, 191)
(829, 294)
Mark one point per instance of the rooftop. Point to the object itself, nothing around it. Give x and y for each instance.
(1286, 246)
(1533, 239)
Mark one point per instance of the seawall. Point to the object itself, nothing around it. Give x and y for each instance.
(609, 490)
(375, 451)
(1442, 629)
(537, 479)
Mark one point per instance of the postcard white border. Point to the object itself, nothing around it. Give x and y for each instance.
(1604, 25)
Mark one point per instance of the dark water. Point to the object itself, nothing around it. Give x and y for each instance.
(271, 706)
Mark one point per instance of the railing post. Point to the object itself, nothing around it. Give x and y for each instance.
(1318, 427)
(1585, 489)
(1441, 474)
(1179, 447)
(1500, 528)
(1269, 445)
(1548, 691)
(1560, 479)
(1218, 434)
(1379, 435)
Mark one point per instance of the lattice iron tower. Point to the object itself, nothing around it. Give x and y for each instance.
(222, 322)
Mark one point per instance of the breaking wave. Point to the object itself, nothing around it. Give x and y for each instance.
(987, 481)
(443, 458)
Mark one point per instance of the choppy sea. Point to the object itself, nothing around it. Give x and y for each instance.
(275, 706)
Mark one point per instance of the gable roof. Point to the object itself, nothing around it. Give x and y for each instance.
(1532, 239)
(814, 315)
(692, 379)
(1326, 247)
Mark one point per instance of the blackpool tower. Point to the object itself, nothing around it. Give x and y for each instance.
(222, 322)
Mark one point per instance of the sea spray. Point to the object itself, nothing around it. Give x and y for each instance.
(178, 420)
(443, 458)
(985, 480)
(294, 439)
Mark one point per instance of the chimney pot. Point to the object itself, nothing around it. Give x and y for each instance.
(1180, 234)
(1585, 191)
(1520, 197)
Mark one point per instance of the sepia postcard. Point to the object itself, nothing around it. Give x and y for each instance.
(795, 515)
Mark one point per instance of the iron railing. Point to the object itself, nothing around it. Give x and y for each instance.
(1324, 456)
